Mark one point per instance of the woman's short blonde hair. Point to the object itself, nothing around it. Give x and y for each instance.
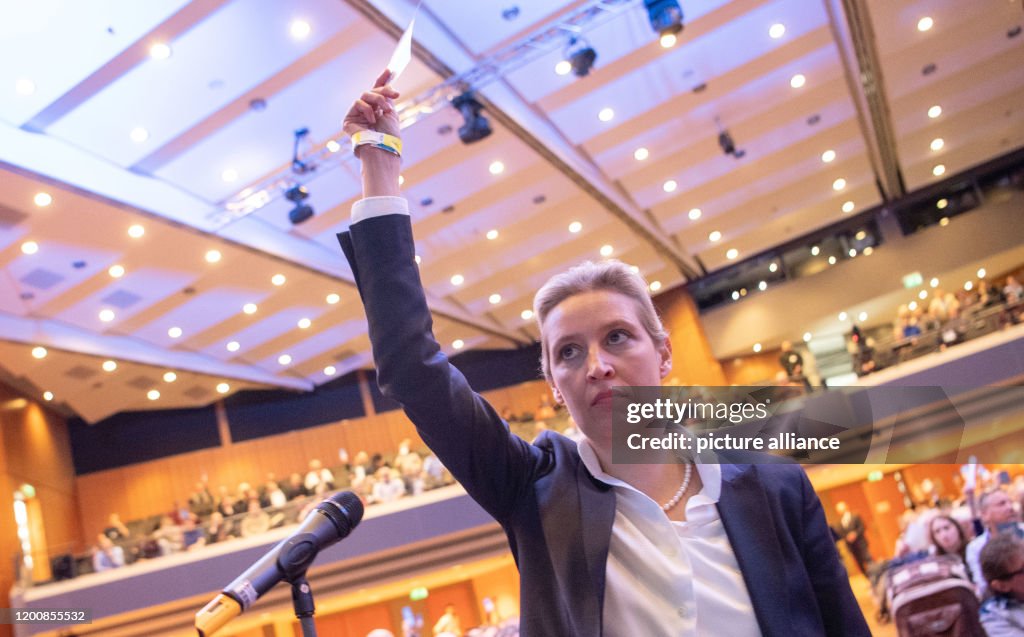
(612, 275)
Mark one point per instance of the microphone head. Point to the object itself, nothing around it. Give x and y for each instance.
(344, 509)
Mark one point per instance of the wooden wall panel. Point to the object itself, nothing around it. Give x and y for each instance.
(753, 369)
(693, 362)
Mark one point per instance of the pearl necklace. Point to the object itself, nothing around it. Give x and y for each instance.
(682, 489)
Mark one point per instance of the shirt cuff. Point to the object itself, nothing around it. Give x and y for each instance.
(378, 207)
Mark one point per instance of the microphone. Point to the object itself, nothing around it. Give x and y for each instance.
(331, 521)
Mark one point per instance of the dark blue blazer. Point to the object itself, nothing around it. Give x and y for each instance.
(557, 516)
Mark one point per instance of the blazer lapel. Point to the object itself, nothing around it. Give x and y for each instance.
(749, 524)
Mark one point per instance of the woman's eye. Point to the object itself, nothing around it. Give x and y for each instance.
(617, 337)
(567, 352)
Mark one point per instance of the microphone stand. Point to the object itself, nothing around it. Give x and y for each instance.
(294, 559)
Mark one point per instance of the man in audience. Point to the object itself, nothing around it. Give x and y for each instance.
(1002, 564)
(106, 555)
(851, 529)
(295, 488)
(256, 521)
(997, 513)
(192, 536)
(319, 480)
(116, 531)
(201, 501)
(389, 486)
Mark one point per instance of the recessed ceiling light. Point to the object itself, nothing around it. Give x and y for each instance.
(732, 253)
(925, 23)
(249, 308)
(304, 323)
(492, 235)
(606, 115)
(139, 134)
(136, 231)
(832, 260)
(229, 175)
(853, 252)
(30, 247)
(213, 256)
(278, 279)
(655, 286)
(116, 271)
(223, 388)
(284, 359)
(714, 236)
(47, 396)
(42, 199)
(634, 269)
(669, 186)
(860, 235)
(153, 394)
(815, 251)
(563, 67)
(937, 143)
(839, 184)
(332, 299)
(494, 299)
(763, 285)
(944, 222)
(174, 332)
(496, 168)
(848, 206)
(159, 51)
(575, 227)
(330, 370)
(458, 343)
(934, 111)
(923, 294)
(934, 282)
(981, 273)
(807, 337)
(458, 279)
(334, 147)
(797, 80)
(939, 170)
(233, 346)
(526, 315)
(39, 352)
(299, 29)
(607, 250)
(942, 203)
(842, 316)
(863, 316)
(170, 377)
(24, 87)
(694, 214)
(828, 156)
(777, 30)
(757, 347)
(773, 267)
(106, 315)
(641, 154)
(868, 251)
(912, 306)
(667, 40)
(735, 295)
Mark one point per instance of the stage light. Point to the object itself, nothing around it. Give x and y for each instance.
(666, 16)
(581, 56)
(476, 126)
(302, 211)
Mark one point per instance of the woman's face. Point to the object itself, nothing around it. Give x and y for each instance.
(946, 535)
(595, 341)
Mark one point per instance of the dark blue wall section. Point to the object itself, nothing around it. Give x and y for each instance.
(255, 414)
(137, 436)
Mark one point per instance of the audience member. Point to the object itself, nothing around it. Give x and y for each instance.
(948, 538)
(117, 531)
(201, 502)
(106, 555)
(1002, 565)
(448, 624)
(296, 487)
(218, 529)
(388, 487)
(851, 530)
(273, 494)
(1012, 290)
(168, 536)
(319, 480)
(227, 505)
(192, 535)
(996, 511)
(256, 521)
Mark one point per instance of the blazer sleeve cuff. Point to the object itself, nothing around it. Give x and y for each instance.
(378, 207)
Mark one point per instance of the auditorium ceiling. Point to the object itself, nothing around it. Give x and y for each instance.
(146, 150)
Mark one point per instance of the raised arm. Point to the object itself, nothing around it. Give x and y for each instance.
(463, 430)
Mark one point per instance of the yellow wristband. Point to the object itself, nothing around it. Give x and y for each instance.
(383, 141)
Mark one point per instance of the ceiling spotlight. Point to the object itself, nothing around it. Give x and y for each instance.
(159, 51)
(607, 250)
(641, 154)
(299, 29)
(30, 247)
(669, 186)
(136, 231)
(116, 271)
(332, 298)
(563, 67)
(832, 260)
(304, 323)
(848, 206)
(39, 352)
(815, 251)
(43, 199)
(981, 273)
(109, 366)
(606, 115)
(694, 214)
(223, 388)
(942, 203)
(939, 170)
(732, 253)
(153, 394)
(668, 40)
(278, 279)
(458, 343)
(492, 235)
(666, 16)
(714, 236)
(934, 111)
(757, 347)
(139, 134)
(828, 156)
(773, 267)
(170, 377)
(937, 143)
(863, 316)
(284, 359)
(249, 308)
(476, 126)
(47, 396)
(302, 211)
(581, 56)
(575, 227)
(925, 23)
(330, 370)
(333, 146)
(496, 168)
(174, 332)
(934, 282)
(842, 316)
(797, 81)
(839, 184)
(233, 346)
(213, 256)
(526, 315)
(494, 299)
(655, 286)
(807, 337)
(458, 279)
(106, 315)
(777, 30)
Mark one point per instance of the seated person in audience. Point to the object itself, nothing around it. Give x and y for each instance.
(389, 486)
(948, 538)
(997, 514)
(409, 465)
(273, 495)
(319, 480)
(1013, 292)
(448, 624)
(256, 521)
(168, 536)
(1002, 564)
(217, 529)
(116, 529)
(180, 512)
(988, 295)
(226, 503)
(295, 488)
(106, 555)
(584, 528)
(201, 502)
(434, 472)
(192, 534)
